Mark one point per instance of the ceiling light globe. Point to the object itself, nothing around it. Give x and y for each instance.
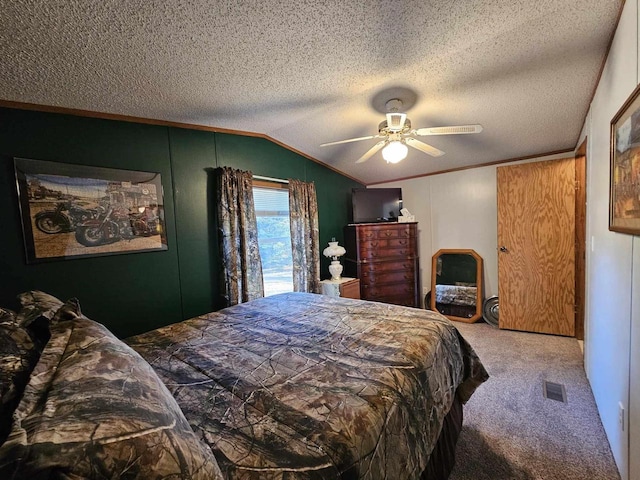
(394, 152)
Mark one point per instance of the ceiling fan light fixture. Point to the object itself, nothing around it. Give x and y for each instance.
(395, 121)
(394, 152)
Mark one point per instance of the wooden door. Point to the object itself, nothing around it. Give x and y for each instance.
(536, 258)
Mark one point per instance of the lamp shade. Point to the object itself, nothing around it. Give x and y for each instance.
(394, 152)
(334, 250)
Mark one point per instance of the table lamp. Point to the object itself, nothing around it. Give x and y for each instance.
(334, 251)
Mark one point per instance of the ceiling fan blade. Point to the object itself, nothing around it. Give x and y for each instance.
(453, 130)
(423, 147)
(350, 140)
(371, 152)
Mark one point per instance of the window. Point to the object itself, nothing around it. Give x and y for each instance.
(274, 237)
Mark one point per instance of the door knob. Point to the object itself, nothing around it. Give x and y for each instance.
(503, 249)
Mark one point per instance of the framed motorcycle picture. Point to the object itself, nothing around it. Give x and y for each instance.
(71, 211)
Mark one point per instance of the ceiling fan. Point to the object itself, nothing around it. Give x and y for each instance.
(396, 133)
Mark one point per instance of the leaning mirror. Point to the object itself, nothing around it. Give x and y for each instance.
(456, 284)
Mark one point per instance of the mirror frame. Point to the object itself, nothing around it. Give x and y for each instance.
(479, 273)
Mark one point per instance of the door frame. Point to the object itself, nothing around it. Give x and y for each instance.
(581, 236)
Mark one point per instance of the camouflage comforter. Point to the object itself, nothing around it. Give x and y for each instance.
(303, 386)
(93, 409)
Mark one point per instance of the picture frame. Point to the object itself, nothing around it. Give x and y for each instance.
(624, 191)
(70, 211)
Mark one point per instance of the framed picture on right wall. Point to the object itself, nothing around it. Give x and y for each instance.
(624, 191)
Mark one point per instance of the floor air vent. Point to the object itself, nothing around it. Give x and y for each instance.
(554, 391)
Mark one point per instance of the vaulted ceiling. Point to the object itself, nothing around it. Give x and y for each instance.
(313, 71)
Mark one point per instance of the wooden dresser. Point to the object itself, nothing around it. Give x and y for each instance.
(384, 256)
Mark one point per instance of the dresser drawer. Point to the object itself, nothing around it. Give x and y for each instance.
(403, 265)
(375, 292)
(373, 244)
(385, 231)
(372, 278)
(403, 242)
(395, 231)
(379, 247)
(367, 233)
(405, 300)
(381, 253)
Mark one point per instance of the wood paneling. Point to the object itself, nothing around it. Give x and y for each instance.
(536, 238)
(164, 123)
(129, 293)
(141, 291)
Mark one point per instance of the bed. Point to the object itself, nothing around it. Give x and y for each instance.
(293, 386)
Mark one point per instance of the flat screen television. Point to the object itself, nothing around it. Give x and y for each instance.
(370, 205)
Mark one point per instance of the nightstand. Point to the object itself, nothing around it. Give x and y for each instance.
(345, 287)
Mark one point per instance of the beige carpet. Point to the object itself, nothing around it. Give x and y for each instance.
(511, 431)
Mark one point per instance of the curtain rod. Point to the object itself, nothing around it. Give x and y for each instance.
(270, 179)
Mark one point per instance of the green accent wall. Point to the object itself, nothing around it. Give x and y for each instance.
(133, 293)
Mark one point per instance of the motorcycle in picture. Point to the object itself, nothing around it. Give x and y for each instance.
(116, 224)
(63, 218)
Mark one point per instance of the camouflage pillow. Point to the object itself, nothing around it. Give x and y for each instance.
(36, 304)
(19, 356)
(95, 409)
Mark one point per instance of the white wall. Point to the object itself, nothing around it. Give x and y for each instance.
(634, 390)
(633, 413)
(609, 258)
(461, 209)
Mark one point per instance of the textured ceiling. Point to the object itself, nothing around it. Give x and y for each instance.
(314, 71)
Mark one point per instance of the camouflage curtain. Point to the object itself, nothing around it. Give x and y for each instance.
(238, 233)
(305, 246)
